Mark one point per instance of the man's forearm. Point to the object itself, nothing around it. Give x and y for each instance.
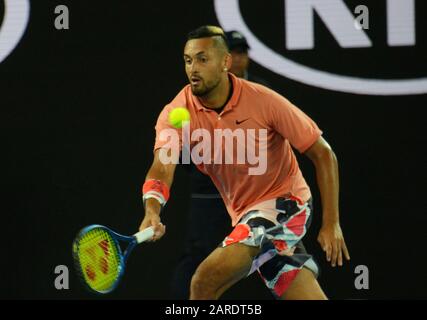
(328, 181)
(152, 206)
(164, 174)
(330, 236)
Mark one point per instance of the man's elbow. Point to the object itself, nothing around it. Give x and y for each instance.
(321, 151)
(326, 154)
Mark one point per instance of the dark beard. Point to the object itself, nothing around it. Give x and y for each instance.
(200, 93)
(206, 91)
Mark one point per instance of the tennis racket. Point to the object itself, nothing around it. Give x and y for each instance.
(98, 258)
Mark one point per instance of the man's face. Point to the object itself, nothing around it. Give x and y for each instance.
(240, 61)
(204, 65)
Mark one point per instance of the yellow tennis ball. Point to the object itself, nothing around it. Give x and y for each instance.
(178, 117)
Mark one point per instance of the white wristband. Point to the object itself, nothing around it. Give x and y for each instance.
(156, 195)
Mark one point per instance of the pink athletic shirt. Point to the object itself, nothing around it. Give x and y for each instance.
(252, 109)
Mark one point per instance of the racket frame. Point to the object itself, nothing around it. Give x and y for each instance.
(122, 256)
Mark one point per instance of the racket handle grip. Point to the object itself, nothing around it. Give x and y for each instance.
(144, 235)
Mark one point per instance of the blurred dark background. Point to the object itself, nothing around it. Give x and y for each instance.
(78, 109)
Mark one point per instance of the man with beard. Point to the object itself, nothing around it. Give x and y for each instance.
(208, 221)
(270, 212)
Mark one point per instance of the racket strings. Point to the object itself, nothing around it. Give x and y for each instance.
(99, 259)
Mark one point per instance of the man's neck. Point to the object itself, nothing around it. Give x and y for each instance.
(219, 96)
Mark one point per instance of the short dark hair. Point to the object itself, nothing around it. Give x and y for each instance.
(209, 31)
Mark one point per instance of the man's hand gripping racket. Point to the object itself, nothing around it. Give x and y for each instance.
(97, 255)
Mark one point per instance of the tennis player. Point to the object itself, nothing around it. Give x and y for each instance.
(207, 221)
(269, 202)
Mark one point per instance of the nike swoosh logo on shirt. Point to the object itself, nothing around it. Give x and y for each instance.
(239, 122)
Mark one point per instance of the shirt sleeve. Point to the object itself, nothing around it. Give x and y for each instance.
(293, 124)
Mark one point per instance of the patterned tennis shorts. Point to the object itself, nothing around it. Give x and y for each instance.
(276, 227)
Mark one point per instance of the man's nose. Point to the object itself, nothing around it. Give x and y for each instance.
(193, 68)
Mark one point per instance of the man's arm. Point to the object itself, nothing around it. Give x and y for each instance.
(164, 173)
(330, 236)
